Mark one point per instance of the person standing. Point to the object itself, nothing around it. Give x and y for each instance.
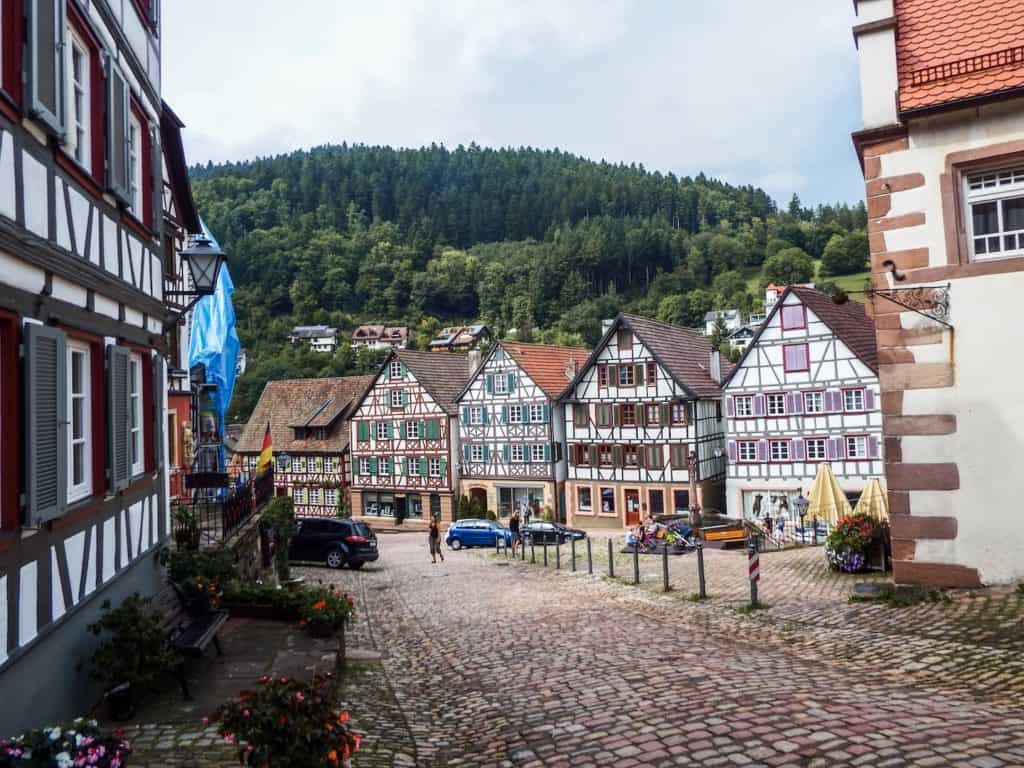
(434, 537)
(513, 527)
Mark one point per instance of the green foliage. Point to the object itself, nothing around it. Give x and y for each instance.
(239, 593)
(847, 544)
(326, 607)
(80, 742)
(788, 266)
(278, 518)
(845, 254)
(133, 645)
(216, 565)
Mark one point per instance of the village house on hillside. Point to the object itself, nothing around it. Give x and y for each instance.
(319, 338)
(512, 428)
(308, 421)
(942, 96)
(405, 437)
(644, 426)
(805, 392)
(380, 337)
(460, 338)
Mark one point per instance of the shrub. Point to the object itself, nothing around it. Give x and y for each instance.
(79, 743)
(134, 646)
(279, 519)
(325, 607)
(847, 544)
(262, 594)
(288, 722)
(216, 565)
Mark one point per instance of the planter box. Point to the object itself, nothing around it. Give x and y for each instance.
(266, 612)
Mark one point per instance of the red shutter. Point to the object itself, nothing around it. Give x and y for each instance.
(11, 48)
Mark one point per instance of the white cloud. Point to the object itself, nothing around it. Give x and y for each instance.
(749, 91)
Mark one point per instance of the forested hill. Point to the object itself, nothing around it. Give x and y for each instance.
(542, 241)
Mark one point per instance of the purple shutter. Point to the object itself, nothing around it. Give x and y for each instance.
(730, 406)
(833, 401)
(830, 448)
(759, 405)
(732, 450)
(869, 399)
(762, 450)
(797, 403)
(797, 449)
(840, 448)
(872, 447)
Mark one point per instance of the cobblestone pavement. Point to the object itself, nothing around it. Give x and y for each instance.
(492, 663)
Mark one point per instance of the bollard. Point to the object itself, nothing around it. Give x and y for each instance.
(664, 568)
(636, 563)
(558, 554)
(702, 590)
(533, 552)
(545, 554)
(611, 561)
(522, 546)
(753, 569)
(497, 551)
(590, 559)
(572, 554)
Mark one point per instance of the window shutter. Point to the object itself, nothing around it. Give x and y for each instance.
(638, 375)
(157, 178)
(363, 430)
(433, 429)
(613, 375)
(46, 418)
(465, 414)
(833, 401)
(423, 430)
(405, 465)
(546, 409)
(506, 453)
(486, 415)
(405, 371)
(511, 382)
(617, 415)
(159, 420)
(797, 449)
(592, 455)
(46, 62)
(869, 399)
(573, 455)
(405, 398)
(762, 450)
(490, 383)
(641, 415)
(730, 406)
(504, 414)
(444, 467)
(872, 446)
(666, 414)
(759, 405)
(423, 467)
(487, 454)
(547, 451)
(840, 448)
(617, 455)
(732, 450)
(386, 377)
(118, 404)
(797, 403)
(401, 430)
(118, 109)
(465, 453)
(355, 466)
(373, 465)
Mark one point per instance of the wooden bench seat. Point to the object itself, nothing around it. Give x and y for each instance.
(191, 634)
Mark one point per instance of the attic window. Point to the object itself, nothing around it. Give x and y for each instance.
(300, 433)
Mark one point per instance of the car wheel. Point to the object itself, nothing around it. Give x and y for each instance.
(334, 559)
(356, 566)
(455, 544)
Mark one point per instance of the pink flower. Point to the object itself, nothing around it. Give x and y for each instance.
(299, 697)
(284, 680)
(206, 721)
(246, 713)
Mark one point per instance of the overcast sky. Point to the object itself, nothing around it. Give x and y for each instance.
(745, 90)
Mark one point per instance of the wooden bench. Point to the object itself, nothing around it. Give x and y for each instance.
(190, 635)
(725, 537)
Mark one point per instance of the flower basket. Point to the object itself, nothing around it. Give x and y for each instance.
(849, 544)
(325, 610)
(78, 743)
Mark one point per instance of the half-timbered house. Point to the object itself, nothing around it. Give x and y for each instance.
(804, 392)
(309, 429)
(83, 488)
(405, 437)
(644, 427)
(512, 428)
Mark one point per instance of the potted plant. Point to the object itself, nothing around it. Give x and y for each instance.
(325, 610)
(849, 542)
(78, 743)
(186, 527)
(288, 722)
(279, 520)
(262, 601)
(202, 595)
(132, 654)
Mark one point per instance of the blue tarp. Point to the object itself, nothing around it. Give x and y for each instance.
(214, 341)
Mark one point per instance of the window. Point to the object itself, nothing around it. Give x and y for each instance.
(604, 415)
(776, 404)
(580, 415)
(412, 430)
(815, 448)
(795, 358)
(364, 465)
(136, 430)
(652, 372)
(778, 450)
(537, 453)
(397, 398)
(584, 501)
(602, 375)
(316, 464)
(77, 137)
(537, 413)
(605, 456)
(518, 453)
(299, 494)
(476, 453)
(79, 410)
(282, 464)
(678, 413)
(395, 370)
(630, 456)
(476, 416)
(627, 414)
(582, 455)
(299, 464)
(608, 501)
(331, 497)
(627, 376)
(853, 400)
(413, 466)
(857, 447)
(135, 166)
(382, 430)
(330, 464)
(744, 406)
(995, 203)
(625, 340)
(314, 496)
(515, 414)
(793, 317)
(501, 384)
(652, 414)
(435, 467)
(814, 402)
(747, 451)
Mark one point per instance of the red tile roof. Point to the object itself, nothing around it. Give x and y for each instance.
(548, 364)
(848, 322)
(951, 50)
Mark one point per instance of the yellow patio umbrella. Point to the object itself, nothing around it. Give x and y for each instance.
(827, 501)
(874, 501)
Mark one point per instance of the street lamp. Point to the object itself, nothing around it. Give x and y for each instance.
(801, 505)
(204, 259)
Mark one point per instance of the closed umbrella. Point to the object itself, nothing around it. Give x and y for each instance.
(827, 500)
(874, 501)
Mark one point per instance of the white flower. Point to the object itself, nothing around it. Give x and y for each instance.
(63, 760)
(55, 734)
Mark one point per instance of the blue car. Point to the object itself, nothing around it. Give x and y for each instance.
(476, 533)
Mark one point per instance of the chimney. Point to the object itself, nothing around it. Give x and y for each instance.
(606, 324)
(571, 369)
(474, 360)
(715, 366)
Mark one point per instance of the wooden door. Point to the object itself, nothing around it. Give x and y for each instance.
(656, 502)
(632, 496)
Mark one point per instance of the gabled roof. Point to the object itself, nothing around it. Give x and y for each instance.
(684, 353)
(949, 52)
(442, 374)
(545, 364)
(177, 168)
(848, 321)
(289, 403)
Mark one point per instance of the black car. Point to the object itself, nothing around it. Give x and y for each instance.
(334, 542)
(543, 532)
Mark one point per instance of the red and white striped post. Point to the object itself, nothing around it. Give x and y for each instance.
(753, 569)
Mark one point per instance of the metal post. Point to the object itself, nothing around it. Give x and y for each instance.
(636, 563)
(590, 558)
(753, 569)
(533, 552)
(814, 531)
(572, 552)
(545, 554)
(702, 590)
(611, 561)
(558, 554)
(497, 551)
(664, 567)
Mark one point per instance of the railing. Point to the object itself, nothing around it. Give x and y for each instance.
(214, 513)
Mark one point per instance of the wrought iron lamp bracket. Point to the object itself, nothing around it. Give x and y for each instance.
(931, 301)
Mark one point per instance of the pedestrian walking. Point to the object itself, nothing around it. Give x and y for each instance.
(434, 536)
(513, 527)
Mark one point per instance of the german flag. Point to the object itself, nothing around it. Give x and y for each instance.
(266, 453)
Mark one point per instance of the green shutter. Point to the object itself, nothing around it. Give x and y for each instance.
(363, 429)
(506, 453)
(405, 398)
(373, 430)
(465, 414)
(444, 466)
(405, 465)
(547, 452)
(666, 414)
(405, 371)
(547, 414)
(465, 453)
(355, 466)
(487, 454)
(423, 430)
(46, 420)
(486, 416)
(489, 379)
(511, 382)
(373, 465)
(423, 467)
(433, 429)
(401, 430)
(504, 414)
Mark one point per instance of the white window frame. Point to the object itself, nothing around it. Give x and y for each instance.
(814, 402)
(314, 496)
(397, 402)
(395, 369)
(78, 141)
(589, 506)
(515, 414)
(476, 416)
(741, 451)
(434, 467)
(856, 447)
(136, 425)
(998, 186)
(744, 406)
(537, 453)
(518, 452)
(330, 464)
(364, 465)
(627, 376)
(853, 395)
(331, 497)
(783, 452)
(501, 383)
(779, 400)
(815, 449)
(299, 464)
(536, 413)
(476, 453)
(381, 430)
(135, 190)
(412, 430)
(82, 490)
(413, 463)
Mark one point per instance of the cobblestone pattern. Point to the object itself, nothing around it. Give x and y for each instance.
(511, 665)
